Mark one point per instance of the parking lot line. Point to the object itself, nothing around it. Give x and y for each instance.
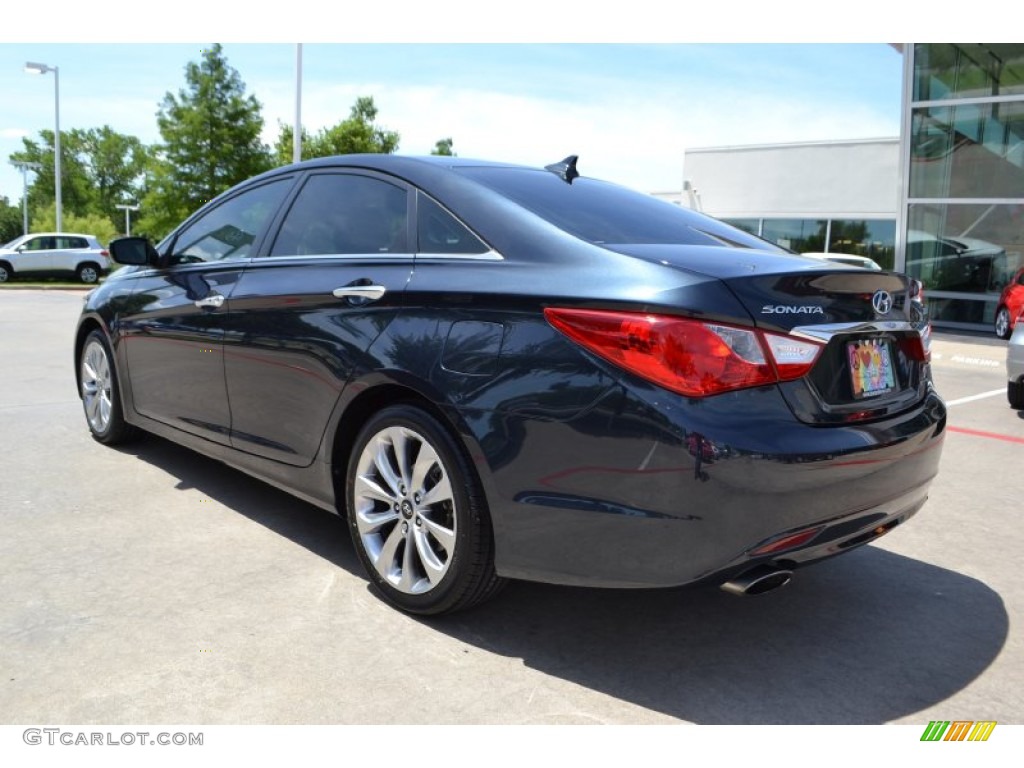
(992, 435)
(972, 398)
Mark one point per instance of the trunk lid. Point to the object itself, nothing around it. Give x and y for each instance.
(874, 333)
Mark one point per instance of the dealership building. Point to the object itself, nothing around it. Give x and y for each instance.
(944, 202)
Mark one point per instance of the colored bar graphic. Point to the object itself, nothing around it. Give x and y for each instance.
(935, 730)
(982, 730)
(958, 730)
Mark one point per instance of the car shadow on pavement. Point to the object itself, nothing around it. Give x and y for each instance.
(866, 638)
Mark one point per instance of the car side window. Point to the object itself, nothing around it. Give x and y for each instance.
(338, 213)
(39, 244)
(440, 232)
(230, 229)
(71, 242)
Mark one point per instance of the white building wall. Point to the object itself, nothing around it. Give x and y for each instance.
(843, 179)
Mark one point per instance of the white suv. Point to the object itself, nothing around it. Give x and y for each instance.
(54, 253)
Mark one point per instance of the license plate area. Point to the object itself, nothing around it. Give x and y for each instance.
(870, 364)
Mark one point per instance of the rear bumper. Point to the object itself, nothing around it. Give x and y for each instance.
(685, 490)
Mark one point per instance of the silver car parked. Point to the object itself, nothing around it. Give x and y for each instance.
(48, 254)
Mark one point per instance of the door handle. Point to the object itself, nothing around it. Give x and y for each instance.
(215, 302)
(364, 292)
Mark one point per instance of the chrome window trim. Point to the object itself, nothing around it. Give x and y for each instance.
(377, 258)
(389, 258)
(490, 255)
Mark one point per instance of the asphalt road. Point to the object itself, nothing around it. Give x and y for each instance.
(151, 585)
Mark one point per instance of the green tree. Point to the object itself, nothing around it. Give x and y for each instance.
(211, 141)
(90, 224)
(115, 164)
(443, 147)
(75, 188)
(358, 134)
(99, 168)
(10, 220)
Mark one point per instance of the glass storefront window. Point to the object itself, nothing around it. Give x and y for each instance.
(753, 226)
(874, 238)
(965, 248)
(798, 235)
(975, 150)
(968, 70)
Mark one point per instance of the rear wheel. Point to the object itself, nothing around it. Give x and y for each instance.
(88, 273)
(101, 397)
(417, 514)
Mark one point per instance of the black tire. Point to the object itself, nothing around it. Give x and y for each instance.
(88, 273)
(101, 394)
(417, 514)
(1002, 323)
(6, 273)
(1015, 394)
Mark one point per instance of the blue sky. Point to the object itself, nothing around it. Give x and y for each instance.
(628, 110)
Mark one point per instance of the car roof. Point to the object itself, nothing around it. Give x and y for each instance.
(55, 234)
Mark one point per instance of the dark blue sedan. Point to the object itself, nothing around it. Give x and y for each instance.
(495, 371)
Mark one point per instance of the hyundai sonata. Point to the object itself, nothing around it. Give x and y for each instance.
(494, 371)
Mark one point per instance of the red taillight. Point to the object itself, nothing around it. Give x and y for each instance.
(787, 542)
(687, 356)
(104, 253)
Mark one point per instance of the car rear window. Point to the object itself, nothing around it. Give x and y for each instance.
(604, 213)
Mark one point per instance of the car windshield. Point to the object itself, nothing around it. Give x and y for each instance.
(604, 213)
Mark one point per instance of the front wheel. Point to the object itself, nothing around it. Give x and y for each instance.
(1002, 324)
(417, 515)
(100, 394)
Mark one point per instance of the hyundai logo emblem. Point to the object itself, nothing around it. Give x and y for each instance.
(882, 302)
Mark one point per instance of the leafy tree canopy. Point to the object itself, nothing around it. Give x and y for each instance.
(45, 220)
(358, 134)
(10, 220)
(211, 141)
(443, 147)
(99, 169)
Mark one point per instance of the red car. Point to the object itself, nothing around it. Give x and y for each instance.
(1011, 303)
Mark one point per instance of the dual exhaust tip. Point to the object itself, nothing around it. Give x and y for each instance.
(758, 581)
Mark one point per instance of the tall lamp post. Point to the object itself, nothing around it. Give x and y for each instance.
(35, 68)
(127, 216)
(25, 167)
(297, 131)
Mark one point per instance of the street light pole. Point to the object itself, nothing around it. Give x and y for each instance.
(36, 68)
(297, 131)
(127, 217)
(25, 167)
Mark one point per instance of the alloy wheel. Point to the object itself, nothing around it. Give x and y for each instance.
(1003, 323)
(96, 386)
(405, 510)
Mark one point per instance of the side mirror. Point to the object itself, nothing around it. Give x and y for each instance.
(133, 250)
